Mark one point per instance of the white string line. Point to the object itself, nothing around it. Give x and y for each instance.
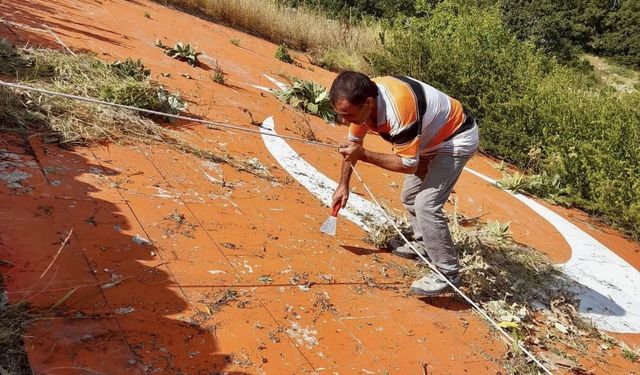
(217, 124)
(157, 113)
(433, 268)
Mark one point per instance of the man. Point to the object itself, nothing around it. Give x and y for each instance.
(432, 138)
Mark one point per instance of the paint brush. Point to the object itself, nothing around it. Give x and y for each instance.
(329, 226)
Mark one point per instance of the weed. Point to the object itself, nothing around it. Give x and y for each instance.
(132, 69)
(282, 54)
(181, 225)
(500, 166)
(495, 231)
(516, 182)
(251, 119)
(322, 304)
(304, 129)
(147, 15)
(181, 51)
(329, 41)
(242, 360)
(235, 42)
(309, 97)
(630, 355)
(218, 74)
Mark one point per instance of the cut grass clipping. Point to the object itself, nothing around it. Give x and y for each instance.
(13, 321)
(309, 97)
(523, 291)
(282, 54)
(70, 122)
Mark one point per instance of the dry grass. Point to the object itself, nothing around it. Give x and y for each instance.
(331, 43)
(13, 321)
(521, 289)
(304, 129)
(382, 234)
(72, 122)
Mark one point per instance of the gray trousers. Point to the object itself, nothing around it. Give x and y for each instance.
(423, 195)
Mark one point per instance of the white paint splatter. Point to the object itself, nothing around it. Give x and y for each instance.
(140, 240)
(303, 336)
(248, 267)
(216, 272)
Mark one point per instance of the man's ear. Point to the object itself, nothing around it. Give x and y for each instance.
(369, 101)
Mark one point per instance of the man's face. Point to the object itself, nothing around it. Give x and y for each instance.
(357, 114)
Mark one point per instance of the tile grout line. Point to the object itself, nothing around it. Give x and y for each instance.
(104, 296)
(31, 151)
(159, 254)
(226, 258)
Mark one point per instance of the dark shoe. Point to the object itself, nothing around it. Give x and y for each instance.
(433, 285)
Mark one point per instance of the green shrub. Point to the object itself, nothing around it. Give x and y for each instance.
(581, 140)
(563, 28)
(309, 97)
(358, 9)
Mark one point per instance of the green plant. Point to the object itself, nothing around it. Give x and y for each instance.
(498, 232)
(147, 15)
(630, 355)
(130, 68)
(282, 54)
(235, 42)
(309, 97)
(218, 74)
(500, 166)
(181, 51)
(516, 182)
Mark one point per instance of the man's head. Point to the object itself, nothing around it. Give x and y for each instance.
(353, 96)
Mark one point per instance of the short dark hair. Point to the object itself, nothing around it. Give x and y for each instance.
(353, 86)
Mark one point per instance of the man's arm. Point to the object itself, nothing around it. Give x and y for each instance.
(342, 191)
(353, 152)
(389, 162)
(341, 195)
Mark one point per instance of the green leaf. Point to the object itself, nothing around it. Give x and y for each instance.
(313, 108)
(513, 325)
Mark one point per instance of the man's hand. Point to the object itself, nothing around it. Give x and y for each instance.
(351, 151)
(340, 195)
